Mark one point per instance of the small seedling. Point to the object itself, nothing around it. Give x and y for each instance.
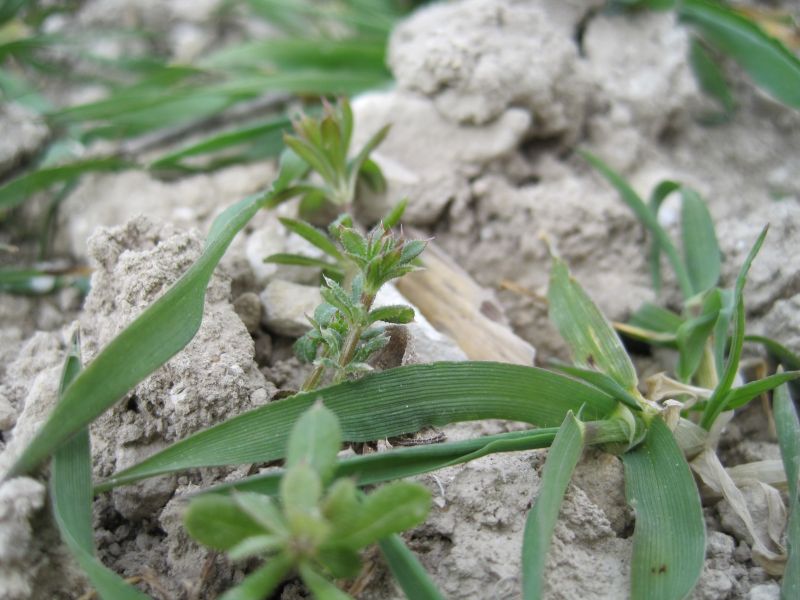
(317, 526)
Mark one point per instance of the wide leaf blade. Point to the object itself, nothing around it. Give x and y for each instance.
(669, 536)
(700, 248)
(541, 521)
(385, 404)
(591, 338)
(771, 65)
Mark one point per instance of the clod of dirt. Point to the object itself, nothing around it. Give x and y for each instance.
(286, 306)
(189, 202)
(20, 499)
(24, 132)
(214, 377)
(478, 58)
(426, 157)
(645, 85)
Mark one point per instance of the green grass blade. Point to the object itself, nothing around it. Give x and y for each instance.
(602, 382)
(716, 403)
(312, 235)
(771, 65)
(34, 282)
(669, 536)
(299, 260)
(267, 135)
(405, 462)
(788, 359)
(657, 197)
(385, 404)
(541, 522)
(788, 428)
(16, 191)
(700, 248)
(692, 337)
(71, 499)
(739, 396)
(711, 78)
(591, 338)
(655, 318)
(163, 329)
(407, 570)
(646, 217)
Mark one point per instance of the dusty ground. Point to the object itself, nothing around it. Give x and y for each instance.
(492, 99)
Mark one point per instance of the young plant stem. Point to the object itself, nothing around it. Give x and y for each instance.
(353, 337)
(312, 381)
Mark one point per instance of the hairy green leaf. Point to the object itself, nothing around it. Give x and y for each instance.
(315, 440)
(219, 522)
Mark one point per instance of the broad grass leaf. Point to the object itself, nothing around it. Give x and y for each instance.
(655, 318)
(602, 382)
(16, 191)
(541, 522)
(788, 359)
(162, 330)
(657, 197)
(591, 338)
(407, 570)
(669, 535)
(71, 500)
(788, 428)
(646, 217)
(770, 64)
(384, 404)
(266, 136)
(711, 78)
(700, 248)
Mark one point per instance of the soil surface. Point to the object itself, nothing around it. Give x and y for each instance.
(492, 99)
